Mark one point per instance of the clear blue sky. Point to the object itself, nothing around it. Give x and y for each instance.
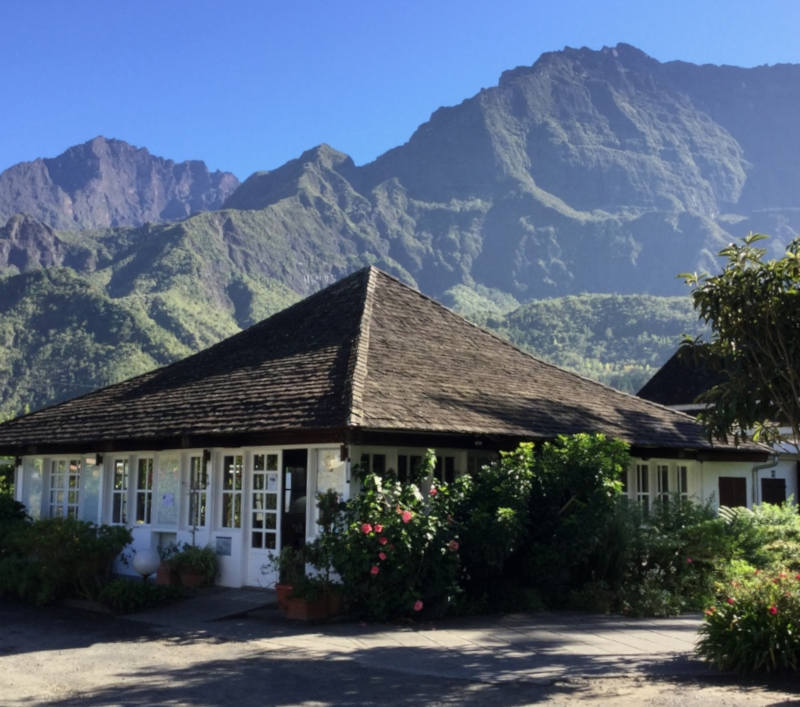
(249, 84)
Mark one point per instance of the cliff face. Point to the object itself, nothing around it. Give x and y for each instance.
(588, 171)
(106, 183)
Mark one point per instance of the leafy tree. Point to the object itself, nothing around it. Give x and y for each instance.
(753, 310)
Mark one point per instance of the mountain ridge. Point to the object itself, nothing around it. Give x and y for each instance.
(586, 172)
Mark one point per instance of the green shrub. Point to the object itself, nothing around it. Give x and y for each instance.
(125, 596)
(57, 557)
(578, 532)
(767, 536)
(6, 476)
(493, 519)
(753, 625)
(12, 520)
(195, 559)
(675, 555)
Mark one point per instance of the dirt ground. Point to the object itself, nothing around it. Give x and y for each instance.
(57, 656)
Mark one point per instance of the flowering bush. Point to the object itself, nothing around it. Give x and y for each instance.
(754, 625)
(397, 549)
(674, 556)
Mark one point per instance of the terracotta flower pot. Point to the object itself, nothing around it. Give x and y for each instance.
(191, 578)
(283, 591)
(319, 609)
(307, 609)
(166, 576)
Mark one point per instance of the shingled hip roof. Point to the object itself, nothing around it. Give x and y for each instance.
(366, 353)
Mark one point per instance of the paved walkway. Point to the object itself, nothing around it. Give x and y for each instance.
(532, 647)
(208, 605)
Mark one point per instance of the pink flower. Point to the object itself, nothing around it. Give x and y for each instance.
(366, 528)
(382, 555)
(418, 605)
(382, 540)
(757, 572)
(453, 545)
(407, 516)
(731, 600)
(773, 610)
(689, 560)
(797, 576)
(378, 528)
(710, 612)
(375, 569)
(433, 491)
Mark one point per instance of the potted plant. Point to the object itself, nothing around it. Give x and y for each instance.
(166, 574)
(290, 566)
(317, 597)
(196, 566)
(311, 600)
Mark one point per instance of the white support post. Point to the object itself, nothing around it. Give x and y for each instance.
(18, 479)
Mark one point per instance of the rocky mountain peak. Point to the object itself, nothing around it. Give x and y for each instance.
(105, 183)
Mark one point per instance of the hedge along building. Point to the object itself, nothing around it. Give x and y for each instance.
(678, 384)
(229, 446)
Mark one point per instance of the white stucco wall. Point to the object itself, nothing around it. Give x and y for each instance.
(703, 477)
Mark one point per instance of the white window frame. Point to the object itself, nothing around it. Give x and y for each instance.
(120, 492)
(63, 488)
(662, 483)
(197, 508)
(682, 481)
(234, 494)
(642, 472)
(145, 492)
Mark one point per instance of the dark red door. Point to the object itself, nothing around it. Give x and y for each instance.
(732, 491)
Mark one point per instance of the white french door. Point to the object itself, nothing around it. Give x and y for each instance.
(263, 518)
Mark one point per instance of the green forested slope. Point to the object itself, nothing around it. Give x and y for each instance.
(620, 340)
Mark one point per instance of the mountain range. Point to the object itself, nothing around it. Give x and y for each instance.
(588, 172)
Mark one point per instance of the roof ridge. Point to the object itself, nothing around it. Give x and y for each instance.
(357, 369)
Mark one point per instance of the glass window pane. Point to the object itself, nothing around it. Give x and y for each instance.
(271, 501)
(402, 467)
(201, 516)
(272, 521)
(238, 473)
(272, 462)
(258, 540)
(258, 462)
(269, 541)
(237, 512)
